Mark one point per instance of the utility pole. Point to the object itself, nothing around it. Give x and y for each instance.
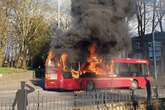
(155, 65)
(154, 50)
(59, 13)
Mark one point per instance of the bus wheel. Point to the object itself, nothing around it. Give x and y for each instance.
(134, 85)
(90, 85)
(43, 85)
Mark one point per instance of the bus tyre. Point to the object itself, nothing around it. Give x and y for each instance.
(90, 85)
(43, 85)
(134, 85)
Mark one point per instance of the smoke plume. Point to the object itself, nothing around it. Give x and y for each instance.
(102, 21)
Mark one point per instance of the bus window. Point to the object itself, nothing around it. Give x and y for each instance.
(131, 69)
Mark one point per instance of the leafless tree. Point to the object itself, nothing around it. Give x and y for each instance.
(149, 14)
(141, 19)
(158, 14)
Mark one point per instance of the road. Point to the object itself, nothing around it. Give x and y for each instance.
(52, 100)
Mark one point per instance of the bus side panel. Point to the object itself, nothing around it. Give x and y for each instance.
(54, 83)
(142, 81)
(51, 84)
(71, 84)
(99, 83)
(120, 82)
(103, 82)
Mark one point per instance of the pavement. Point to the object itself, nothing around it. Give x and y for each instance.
(11, 82)
(49, 100)
(161, 85)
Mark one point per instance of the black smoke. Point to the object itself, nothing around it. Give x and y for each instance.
(102, 21)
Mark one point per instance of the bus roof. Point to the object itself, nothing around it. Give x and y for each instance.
(130, 60)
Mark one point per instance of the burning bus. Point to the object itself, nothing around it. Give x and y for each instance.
(95, 73)
(86, 56)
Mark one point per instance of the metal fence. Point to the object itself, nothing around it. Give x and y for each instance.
(94, 100)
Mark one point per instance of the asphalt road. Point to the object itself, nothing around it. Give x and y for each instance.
(52, 100)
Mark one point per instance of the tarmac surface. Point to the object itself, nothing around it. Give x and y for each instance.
(9, 84)
(49, 100)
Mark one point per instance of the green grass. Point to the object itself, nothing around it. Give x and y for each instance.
(7, 70)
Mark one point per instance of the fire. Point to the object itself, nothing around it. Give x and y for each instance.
(94, 63)
(50, 62)
(50, 55)
(64, 61)
(49, 58)
(64, 64)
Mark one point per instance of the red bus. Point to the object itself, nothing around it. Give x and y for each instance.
(126, 73)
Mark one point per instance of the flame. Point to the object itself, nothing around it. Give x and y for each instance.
(94, 63)
(49, 58)
(64, 64)
(64, 60)
(50, 62)
(50, 55)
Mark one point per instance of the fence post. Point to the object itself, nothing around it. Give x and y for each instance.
(134, 102)
(38, 99)
(149, 94)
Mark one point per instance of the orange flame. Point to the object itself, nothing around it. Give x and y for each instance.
(50, 62)
(49, 58)
(64, 64)
(64, 60)
(94, 63)
(50, 55)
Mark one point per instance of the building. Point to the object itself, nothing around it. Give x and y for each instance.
(148, 49)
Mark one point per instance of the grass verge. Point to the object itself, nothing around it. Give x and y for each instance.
(7, 70)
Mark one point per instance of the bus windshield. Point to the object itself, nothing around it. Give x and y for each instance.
(131, 69)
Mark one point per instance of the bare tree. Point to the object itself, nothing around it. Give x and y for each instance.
(149, 14)
(158, 12)
(154, 16)
(141, 18)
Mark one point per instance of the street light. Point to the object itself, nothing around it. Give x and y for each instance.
(154, 53)
(59, 12)
(155, 65)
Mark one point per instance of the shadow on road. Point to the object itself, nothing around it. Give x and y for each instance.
(21, 99)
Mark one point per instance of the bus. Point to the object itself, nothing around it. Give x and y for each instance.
(129, 73)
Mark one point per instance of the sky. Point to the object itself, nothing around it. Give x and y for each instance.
(65, 7)
(65, 4)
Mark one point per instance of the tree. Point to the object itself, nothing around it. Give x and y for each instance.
(3, 22)
(28, 25)
(41, 39)
(149, 14)
(3, 27)
(141, 19)
(158, 14)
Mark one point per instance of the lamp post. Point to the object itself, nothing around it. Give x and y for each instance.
(155, 65)
(59, 13)
(154, 49)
